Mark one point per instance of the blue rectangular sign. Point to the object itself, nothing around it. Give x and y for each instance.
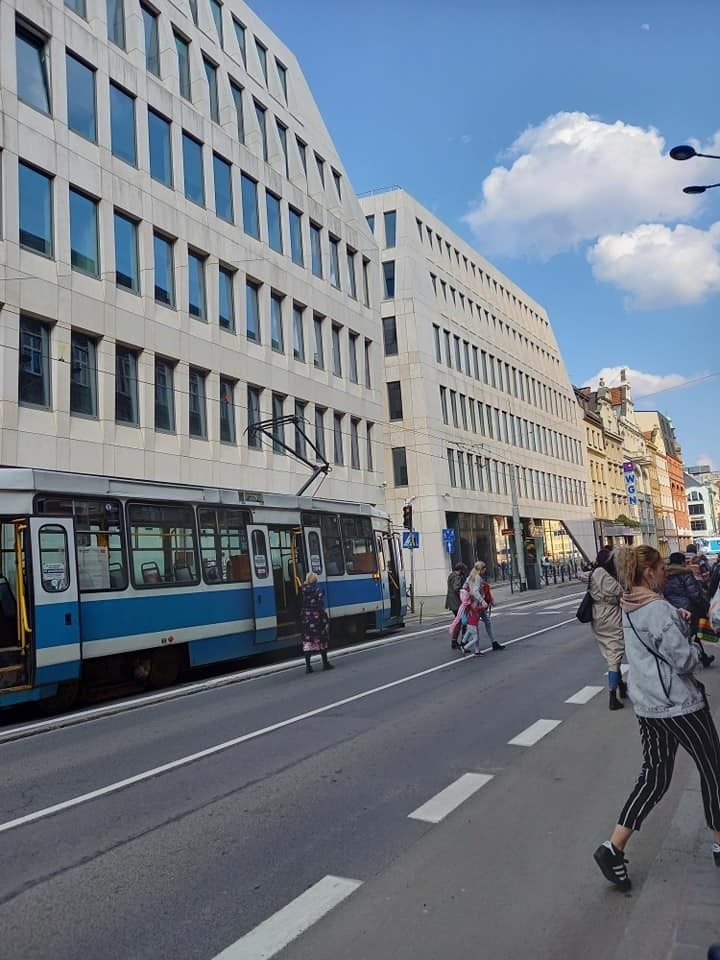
(448, 535)
(411, 540)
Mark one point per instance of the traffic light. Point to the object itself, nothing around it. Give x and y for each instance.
(407, 516)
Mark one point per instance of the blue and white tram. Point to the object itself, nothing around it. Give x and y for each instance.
(104, 580)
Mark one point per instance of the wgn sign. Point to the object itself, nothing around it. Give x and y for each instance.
(630, 482)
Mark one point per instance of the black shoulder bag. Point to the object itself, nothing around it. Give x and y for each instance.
(585, 610)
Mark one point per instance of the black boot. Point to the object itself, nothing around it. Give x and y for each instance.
(326, 663)
(615, 704)
(308, 665)
(621, 687)
(497, 646)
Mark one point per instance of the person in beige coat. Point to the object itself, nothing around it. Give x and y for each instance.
(606, 592)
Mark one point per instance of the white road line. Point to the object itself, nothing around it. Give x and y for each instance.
(227, 744)
(585, 695)
(443, 803)
(275, 933)
(536, 731)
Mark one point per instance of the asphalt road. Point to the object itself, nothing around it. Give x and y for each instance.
(306, 777)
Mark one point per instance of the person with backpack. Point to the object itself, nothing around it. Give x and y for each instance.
(685, 592)
(605, 593)
(670, 705)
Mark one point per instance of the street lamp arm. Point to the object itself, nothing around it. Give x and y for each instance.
(697, 188)
(685, 152)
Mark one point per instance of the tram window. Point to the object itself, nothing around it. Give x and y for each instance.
(358, 541)
(98, 539)
(259, 555)
(332, 545)
(315, 553)
(224, 545)
(162, 544)
(54, 561)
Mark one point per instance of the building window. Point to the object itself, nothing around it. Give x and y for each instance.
(316, 249)
(84, 254)
(164, 270)
(461, 468)
(277, 338)
(226, 298)
(182, 48)
(81, 98)
(453, 407)
(319, 349)
(337, 180)
(116, 22)
(240, 35)
(193, 169)
(448, 356)
(261, 116)
(369, 447)
(458, 361)
(272, 204)
(282, 77)
(368, 382)
(399, 462)
(302, 153)
(33, 75)
(222, 175)
(366, 281)
(83, 375)
(227, 411)
(296, 240)
(334, 275)
(320, 431)
(390, 218)
(390, 339)
(122, 125)
(262, 58)
(371, 222)
(211, 75)
(194, 12)
(282, 137)
(252, 310)
(126, 386)
(216, 9)
(160, 148)
(436, 340)
(36, 210)
(389, 279)
(298, 323)
(354, 444)
(352, 357)
(253, 404)
(152, 43)
(444, 406)
(278, 427)
(164, 396)
(197, 412)
(127, 272)
(395, 405)
(78, 6)
(197, 301)
(237, 94)
(320, 163)
(300, 427)
(34, 363)
(336, 355)
(352, 279)
(451, 467)
(251, 217)
(338, 446)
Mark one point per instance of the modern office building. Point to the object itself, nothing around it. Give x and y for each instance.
(181, 253)
(480, 412)
(702, 498)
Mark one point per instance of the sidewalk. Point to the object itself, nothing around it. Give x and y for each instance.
(435, 606)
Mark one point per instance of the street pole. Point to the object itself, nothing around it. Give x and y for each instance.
(412, 568)
(519, 552)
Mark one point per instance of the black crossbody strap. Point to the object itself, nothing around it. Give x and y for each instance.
(658, 659)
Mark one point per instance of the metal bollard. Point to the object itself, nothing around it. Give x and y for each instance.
(422, 604)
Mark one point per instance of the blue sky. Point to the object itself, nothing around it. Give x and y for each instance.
(585, 211)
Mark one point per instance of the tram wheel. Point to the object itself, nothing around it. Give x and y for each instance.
(62, 700)
(165, 663)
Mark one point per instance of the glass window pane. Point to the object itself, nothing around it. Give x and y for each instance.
(34, 363)
(83, 376)
(390, 336)
(152, 43)
(334, 274)
(338, 445)
(222, 175)
(196, 286)
(296, 240)
(277, 339)
(262, 57)
(278, 428)
(390, 227)
(316, 250)
(31, 54)
(274, 221)
(78, 6)
(226, 310)
(298, 333)
(352, 356)
(237, 96)
(282, 77)
(241, 39)
(126, 385)
(227, 411)
(252, 311)
(81, 98)
(216, 8)
(122, 125)
(253, 403)
(164, 396)
(193, 169)
(399, 461)
(320, 432)
(211, 75)
(163, 545)
(395, 405)
(369, 447)
(352, 279)
(36, 213)
(160, 148)
(336, 355)
(127, 274)
(354, 445)
(389, 279)
(84, 254)
(182, 48)
(319, 349)
(197, 422)
(282, 137)
(260, 114)
(300, 428)
(164, 271)
(251, 219)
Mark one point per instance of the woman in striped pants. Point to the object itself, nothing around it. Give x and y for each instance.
(669, 702)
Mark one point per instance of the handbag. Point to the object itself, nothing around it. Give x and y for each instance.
(585, 610)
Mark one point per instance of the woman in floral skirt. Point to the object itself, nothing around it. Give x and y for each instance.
(314, 622)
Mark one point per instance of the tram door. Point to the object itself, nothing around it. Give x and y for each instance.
(15, 609)
(390, 575)
(55, 599)
(263, 590)
(287, 557)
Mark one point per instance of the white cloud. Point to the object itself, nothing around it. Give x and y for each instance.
(574, 178)
(642, 384)
(658, 266)
(705, 458)
(644, 26)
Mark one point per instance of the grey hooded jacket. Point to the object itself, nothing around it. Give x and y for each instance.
(662, 661)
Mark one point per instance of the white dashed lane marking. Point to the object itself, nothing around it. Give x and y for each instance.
(443, 803)
(585, 695)
(536, 731)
